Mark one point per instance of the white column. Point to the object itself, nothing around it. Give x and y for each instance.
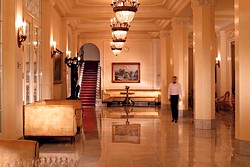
(166, 70)
(242, 79)
(204, 62)
(180, 57)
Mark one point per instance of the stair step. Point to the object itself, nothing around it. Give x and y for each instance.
(86, 90)
(88, 85)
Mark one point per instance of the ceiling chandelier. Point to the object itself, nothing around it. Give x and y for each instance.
(125, 9)
(119, 35)
(116, 48)
(116, 44)
(119, 30)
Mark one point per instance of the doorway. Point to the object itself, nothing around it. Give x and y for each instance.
(89, 52)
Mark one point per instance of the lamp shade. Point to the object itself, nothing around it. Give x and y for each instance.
(116, 44)
(125, 16)
(119, 35)
(125, 10)
(116, 51)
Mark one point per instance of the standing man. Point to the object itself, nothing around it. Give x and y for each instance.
(174, 95)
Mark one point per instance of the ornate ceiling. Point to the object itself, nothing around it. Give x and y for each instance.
(92, 17)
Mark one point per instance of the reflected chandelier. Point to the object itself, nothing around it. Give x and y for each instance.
(125, 9)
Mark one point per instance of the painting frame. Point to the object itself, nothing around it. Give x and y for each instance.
(129, 133)
(126, 72)
(57, 68)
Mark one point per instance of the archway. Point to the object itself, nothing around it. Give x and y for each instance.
(89, 52)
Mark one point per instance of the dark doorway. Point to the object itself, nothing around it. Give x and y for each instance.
(233, 66)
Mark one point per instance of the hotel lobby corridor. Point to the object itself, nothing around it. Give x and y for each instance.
(146, 137)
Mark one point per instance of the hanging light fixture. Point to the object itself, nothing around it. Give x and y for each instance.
(116, 44)
(119, 30)
(116, 47)
(125, 9)
(116, 51)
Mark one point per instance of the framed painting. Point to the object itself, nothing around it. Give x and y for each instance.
(126, 133)
(57, 68)
(126, 72)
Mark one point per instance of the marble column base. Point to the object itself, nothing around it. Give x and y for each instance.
(204, 123)
(242, 147)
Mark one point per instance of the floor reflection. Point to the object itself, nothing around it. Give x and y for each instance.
(105, 141)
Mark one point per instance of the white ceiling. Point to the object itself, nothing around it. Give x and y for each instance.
(92, 17)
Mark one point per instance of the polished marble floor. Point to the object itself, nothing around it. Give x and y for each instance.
(146, 137)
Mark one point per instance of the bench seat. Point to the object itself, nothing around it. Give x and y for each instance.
(136, 95)
(49, 120)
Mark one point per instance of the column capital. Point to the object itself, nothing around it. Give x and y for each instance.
(178, 21)
(199, 3)
(165, 33)
(155, 35)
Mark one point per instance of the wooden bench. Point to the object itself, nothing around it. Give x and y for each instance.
(136, 95)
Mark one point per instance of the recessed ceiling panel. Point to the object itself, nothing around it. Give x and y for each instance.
(107, 2)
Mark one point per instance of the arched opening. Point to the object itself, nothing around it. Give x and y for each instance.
(89, 52)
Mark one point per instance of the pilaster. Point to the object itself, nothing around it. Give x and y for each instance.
(166, 66)
(47, 36)
(74, 43)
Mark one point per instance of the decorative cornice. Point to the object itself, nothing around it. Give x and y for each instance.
(154, 35)
(198, 3)
(178, 21)
(165, 33)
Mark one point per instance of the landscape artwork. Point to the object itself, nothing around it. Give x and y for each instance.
(126, 72)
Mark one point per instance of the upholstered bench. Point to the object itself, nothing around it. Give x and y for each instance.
(49, 120)
(14, 150)
(77, 104)
(136, 95)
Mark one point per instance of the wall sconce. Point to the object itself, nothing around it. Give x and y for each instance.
(218, 59)
(52, 48)
(21, 36)
(68, 53)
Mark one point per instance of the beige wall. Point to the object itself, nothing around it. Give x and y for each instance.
(140, 50)
(224, 73)
(57, 31)
(54, 29)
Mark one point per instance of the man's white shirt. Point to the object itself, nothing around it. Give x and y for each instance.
(174, 89)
